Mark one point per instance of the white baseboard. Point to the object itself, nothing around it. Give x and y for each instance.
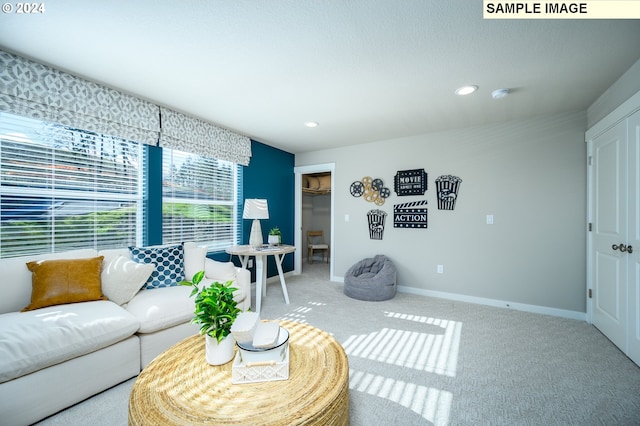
(497, 303)
(582, 316)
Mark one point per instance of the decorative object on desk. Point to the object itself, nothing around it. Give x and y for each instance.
(410, 215)
(376, 220)
(215, 311)
(410, 182)
(372, 190)
(275, 236)
(447, 187)
(256, 209)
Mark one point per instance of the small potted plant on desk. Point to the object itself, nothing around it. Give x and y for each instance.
(215, 311)
(275, 236)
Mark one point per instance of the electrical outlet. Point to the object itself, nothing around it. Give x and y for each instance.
(250, 265)
(441, 269)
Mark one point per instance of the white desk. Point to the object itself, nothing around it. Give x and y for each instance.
(278, 252)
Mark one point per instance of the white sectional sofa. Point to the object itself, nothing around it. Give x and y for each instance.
(55, 356)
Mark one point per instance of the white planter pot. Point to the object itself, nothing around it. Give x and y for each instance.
(274, 239)
(219, 353)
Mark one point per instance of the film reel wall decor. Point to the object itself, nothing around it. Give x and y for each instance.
(371, 190)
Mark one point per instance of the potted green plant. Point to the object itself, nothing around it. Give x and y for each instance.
(215, 311)
(275, 236)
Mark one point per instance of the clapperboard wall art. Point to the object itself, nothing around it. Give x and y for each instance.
(410, 215)
(410, 182)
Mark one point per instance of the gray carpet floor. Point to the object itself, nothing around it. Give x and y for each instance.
(417, 361)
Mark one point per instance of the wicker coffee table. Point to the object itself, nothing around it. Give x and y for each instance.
(180, 388)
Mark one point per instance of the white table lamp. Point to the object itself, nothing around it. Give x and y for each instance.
(255, 209)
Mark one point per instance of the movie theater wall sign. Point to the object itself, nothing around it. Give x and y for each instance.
(410, 182)
(410, 215)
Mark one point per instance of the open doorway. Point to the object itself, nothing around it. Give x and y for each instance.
(314, 212)
(316, 219)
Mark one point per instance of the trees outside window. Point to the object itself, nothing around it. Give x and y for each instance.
(64, 188)
(200, 197)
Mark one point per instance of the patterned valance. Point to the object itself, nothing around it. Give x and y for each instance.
(37, 91)
(189, 134)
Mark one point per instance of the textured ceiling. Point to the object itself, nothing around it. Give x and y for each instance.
(366, 70)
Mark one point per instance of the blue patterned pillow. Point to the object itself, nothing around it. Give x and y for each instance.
(168, 262)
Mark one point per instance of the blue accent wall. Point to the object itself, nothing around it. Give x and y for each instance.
(153, 232)
(270, 175)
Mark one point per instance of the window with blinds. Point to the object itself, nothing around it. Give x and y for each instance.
(199, 200)
(64, 188)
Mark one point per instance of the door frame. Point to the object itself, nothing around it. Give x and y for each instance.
(299, 171)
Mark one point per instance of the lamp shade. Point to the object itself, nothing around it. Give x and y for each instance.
(255, 208)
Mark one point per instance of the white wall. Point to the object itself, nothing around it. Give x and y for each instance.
(530, 174)
(614, 96)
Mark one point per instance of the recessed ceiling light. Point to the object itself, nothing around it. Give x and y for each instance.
(466, 90)
(311, 124)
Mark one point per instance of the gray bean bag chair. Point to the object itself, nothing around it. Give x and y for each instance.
(371, 279)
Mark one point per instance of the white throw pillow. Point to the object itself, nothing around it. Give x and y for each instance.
(194, 257)
(220, 271)
(122, 278)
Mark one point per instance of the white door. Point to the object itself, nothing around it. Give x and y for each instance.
(609, 210)
(633, 299)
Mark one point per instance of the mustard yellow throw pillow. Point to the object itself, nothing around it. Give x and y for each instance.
(56, 282)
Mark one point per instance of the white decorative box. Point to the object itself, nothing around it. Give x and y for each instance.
(262, 371)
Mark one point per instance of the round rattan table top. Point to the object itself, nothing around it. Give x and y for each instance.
(180, 388)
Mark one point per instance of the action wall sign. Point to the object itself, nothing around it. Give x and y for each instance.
(410, 182)
(410, 215)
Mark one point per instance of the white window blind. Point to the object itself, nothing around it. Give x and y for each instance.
(64, 188)
(200, 197)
